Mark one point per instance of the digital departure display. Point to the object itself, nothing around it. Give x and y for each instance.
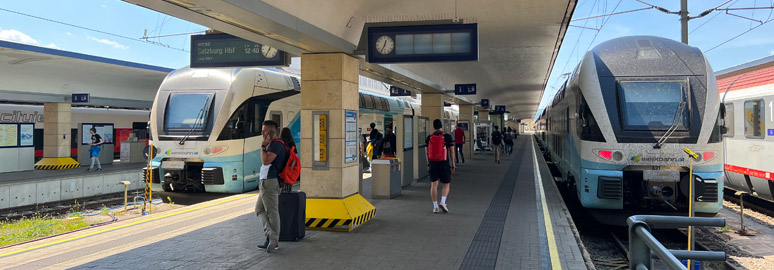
(423, 43)
(223, 50)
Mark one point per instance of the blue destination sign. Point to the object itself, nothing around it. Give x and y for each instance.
(423, 43)
(399, 92)
(499, 108)
(485, 103)
(80, 98)
(465, 89)
(463, 126)
(446, 104)
(223, 50)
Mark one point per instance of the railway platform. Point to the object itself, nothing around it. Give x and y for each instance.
(19, 189)
(502, 216)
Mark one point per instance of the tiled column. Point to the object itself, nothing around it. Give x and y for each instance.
(483, 115)
(56, 130)
(329, 83)
(432, 107)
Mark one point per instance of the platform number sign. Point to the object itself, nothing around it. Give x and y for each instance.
(465, 89)
(80, 98)
(399, 92)
(485, 103)
(499, 108)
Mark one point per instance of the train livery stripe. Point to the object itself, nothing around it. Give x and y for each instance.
(751, 172)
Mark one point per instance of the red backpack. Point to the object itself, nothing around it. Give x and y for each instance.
(436, 149)
(292, 169)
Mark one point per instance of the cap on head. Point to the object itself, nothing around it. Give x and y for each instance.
(437, 124)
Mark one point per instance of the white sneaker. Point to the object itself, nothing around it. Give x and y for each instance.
(436, 210)
(443, 207)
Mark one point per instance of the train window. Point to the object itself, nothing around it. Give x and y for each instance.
(728, 121)
(276, 116)
(258, 109)
(753, 119)
(587, 126)
(369, 102)
(362, 100)
(652, 105)
(235, 126)
(187, 111)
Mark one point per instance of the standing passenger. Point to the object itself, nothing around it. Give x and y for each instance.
(96, 147)
(388, 144)
(439, 147)
(287, 137)
(274, 154)
(459, 140)
(497, 140)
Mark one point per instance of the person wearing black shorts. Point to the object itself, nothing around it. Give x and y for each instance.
(441, 170)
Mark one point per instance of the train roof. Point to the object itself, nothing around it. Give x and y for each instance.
(747, 75)
(647, 56)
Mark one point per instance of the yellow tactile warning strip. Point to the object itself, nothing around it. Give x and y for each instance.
(93, 244)
(338, 214)
(63, 163)
(556, 264)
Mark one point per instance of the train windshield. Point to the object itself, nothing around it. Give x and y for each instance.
(652, 105)
(187, 111)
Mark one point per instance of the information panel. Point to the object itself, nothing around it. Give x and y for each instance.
(423, 43)
(9, 135)
(26, 134)
(223, 50)
(465, 89)
(485, 103)
(104, 130)
(399, 92)
(408, 133)
(351, 147)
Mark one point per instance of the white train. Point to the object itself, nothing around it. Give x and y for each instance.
(749, 143)
(617, 128)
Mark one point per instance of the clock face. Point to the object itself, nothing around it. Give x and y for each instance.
(268, 52)
(385, 45)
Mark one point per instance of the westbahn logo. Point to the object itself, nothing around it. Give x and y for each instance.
(168, 152)
(639, 158)
(181, 153)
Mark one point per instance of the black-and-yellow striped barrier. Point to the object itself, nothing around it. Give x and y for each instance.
(338, 214)
(64, 163)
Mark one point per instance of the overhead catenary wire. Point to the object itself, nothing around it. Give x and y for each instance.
(91, 29)
(739, 35)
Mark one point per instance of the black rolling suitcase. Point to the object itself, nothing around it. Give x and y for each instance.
(292, 211)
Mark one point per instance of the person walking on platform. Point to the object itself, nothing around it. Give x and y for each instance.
(439, 147)
(509, 142)
(459, 140)
(376, 137)
(388, 144)
(273, 157)
(497, 141)
(96, 147)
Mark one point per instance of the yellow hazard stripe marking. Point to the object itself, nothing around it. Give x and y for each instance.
(552, 250)
(124, 226)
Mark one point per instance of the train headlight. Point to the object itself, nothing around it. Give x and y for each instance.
(609, 154)
(606, 154)
(707, 155)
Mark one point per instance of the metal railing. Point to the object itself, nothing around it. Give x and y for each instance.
(642, 243)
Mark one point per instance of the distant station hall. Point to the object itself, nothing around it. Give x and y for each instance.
(385, 135)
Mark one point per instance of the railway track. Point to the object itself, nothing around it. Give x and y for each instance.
(759, 205)
(63, 207)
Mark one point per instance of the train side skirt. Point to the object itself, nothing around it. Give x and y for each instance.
(342, 215)
(61, 163)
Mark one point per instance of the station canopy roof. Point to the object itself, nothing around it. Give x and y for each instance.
(32, 74)
(518, 39)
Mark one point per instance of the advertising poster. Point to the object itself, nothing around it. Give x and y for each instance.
(107, 133)
(351, 149)
(408, 133)
(85, 135)
(27, 132)
(9, 135)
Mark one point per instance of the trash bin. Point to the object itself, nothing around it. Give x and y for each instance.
(385, 175)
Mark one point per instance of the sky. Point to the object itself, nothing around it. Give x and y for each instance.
(119, 25)
(108, 16)
(704, 33)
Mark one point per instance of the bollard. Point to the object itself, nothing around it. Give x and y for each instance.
(742, 230)
(126, 190)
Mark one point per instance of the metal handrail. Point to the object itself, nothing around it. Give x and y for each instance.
(642, 243)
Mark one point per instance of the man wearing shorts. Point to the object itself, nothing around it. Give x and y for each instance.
(440, 170)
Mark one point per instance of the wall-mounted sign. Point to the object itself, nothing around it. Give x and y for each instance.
(399, 92)
(463, 125)
(465, 89)
(80, 98)
(351, 147)
(423, 43)
(223, 50)
(499, 108)
(485, 103)
(320, 140)
(446, 104)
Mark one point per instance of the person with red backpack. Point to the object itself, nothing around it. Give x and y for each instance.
(439, 154)
(273, 154)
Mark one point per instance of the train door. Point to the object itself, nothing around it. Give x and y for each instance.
(276, 116)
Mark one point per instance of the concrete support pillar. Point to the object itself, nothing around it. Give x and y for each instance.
(432, 106)
(466, 115)
(483, 115)
(329, 83)
(56, 138)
